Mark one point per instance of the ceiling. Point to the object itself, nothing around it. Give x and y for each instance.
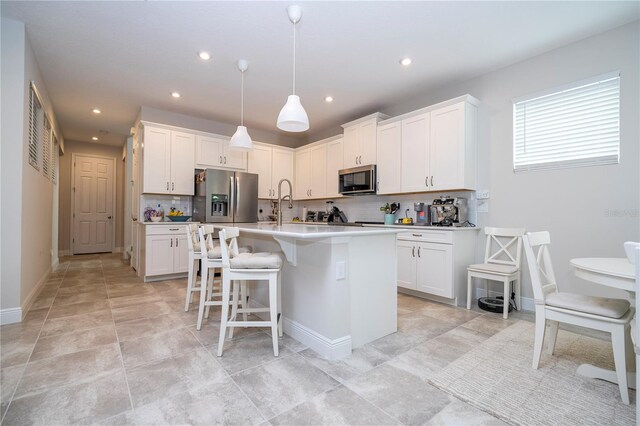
(118, 56)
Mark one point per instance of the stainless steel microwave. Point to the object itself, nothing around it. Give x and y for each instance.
(358, 180)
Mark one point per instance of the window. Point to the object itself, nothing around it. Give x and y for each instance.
(35, 127)
(46, 147)
(577, 125)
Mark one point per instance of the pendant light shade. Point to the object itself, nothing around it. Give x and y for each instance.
(293, 117)
(241, 139)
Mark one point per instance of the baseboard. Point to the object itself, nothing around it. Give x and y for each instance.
(327, 348)
(10, 316)
(330, 349)
(117, 250)
(34, 293)
(527, 303)
(55, 263)
(64, 253)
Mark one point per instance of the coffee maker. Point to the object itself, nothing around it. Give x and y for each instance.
(448, 211)
(422, 214)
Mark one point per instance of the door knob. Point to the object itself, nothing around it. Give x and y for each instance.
(108, 217)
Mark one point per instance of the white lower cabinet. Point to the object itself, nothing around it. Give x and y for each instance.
(165, 250)
(435, 262)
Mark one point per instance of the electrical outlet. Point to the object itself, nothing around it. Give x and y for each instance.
(482, 195)
(341, 270)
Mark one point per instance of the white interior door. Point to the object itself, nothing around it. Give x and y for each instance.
(93, 204)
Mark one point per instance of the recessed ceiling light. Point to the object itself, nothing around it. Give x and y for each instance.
(96, 111)
(175, 94)
(95, 138)
(405, 62)
(328, 99)
(205, 56)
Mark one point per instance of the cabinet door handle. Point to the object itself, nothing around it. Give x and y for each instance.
(310, 192)
(171, 242)
(360, 159)
(177, 246)
(356, 159)
(418, 251)
(417, 235)
(174, 229)
(173, 186)
(413, 251)
(225, 159)
(431, 180)
(167, 185)
(426, 181)
(221, 159)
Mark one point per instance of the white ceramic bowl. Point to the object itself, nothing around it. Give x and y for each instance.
(156, 218)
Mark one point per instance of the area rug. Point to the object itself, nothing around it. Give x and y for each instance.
(497, 378)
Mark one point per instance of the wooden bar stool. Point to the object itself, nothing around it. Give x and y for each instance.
(238, 266)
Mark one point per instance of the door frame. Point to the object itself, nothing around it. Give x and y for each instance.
(73, 196)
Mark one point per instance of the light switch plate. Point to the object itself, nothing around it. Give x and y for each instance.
(482, 195)
(341, 270)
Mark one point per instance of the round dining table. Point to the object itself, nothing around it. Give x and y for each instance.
(618, 273)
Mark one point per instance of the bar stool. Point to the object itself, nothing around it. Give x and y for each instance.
(211, 260)
(238, 266)
(193, 244)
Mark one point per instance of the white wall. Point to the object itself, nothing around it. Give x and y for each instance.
(13, 81)
(26, 192)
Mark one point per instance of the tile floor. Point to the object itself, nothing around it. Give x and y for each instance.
(101, 347)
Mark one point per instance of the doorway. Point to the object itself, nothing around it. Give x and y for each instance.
(93, 202)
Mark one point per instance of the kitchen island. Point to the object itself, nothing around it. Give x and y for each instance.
(338, 283)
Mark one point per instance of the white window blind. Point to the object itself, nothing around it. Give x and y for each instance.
(46, 147)
(569, 127)
(35, 127)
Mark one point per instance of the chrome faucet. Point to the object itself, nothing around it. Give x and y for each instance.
(281, 198)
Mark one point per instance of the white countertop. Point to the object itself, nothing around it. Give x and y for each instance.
(395, 226)
(166, 223)
(311, 231)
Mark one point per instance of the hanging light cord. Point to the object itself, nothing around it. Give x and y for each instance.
(294, 58)
(242, 100)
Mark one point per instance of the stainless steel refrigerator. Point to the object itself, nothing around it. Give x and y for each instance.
(226, 197)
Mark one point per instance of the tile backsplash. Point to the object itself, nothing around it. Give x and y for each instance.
(367, 207)
(182, 203)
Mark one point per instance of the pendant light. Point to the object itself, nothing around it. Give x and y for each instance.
(293, 117)
(241, 139)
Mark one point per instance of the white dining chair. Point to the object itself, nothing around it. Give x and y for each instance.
(502, 254)
(599, 313)
(632, 250)
(240, 267)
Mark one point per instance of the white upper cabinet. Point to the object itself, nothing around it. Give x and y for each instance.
(303, 177)
(156, 161)
(318, 172)
(271, 164)
(182, 167)
(260, 164)
(334, 165)
(415, 153)
(213, 152)
(359, 141)
(452, 155)
(281, 168)
(167, 162)
(433, 149)
(389, 158)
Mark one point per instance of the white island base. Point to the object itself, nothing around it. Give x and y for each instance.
(338, 283)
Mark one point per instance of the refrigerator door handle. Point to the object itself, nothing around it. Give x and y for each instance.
(237, 207)
(232, 201)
